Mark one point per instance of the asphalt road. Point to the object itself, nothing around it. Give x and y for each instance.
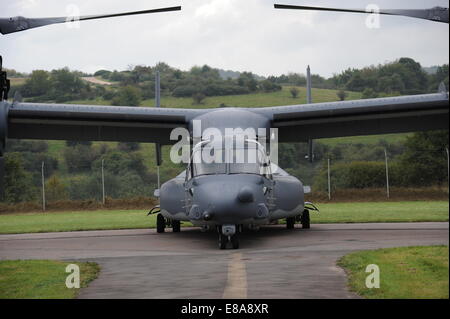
(271, 263)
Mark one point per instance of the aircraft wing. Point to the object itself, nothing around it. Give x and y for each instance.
(295, 123)
(94, 123)
(298, 123)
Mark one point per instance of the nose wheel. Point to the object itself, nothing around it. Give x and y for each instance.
(223, 240)
(226, 238)
(234, 241)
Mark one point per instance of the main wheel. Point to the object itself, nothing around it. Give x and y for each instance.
(176, 225)
(305, 220)
(223, 240)
(290, 222)
(160, 223)
(235, 241)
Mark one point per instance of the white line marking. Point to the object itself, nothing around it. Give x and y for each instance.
(236, 287)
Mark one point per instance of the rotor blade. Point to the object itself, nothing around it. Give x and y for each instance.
(16, 24)
(437, 14)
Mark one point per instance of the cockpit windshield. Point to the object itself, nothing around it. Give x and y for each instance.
(245, 161)
(207, 160)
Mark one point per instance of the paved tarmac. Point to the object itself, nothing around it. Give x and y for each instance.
(272, 263)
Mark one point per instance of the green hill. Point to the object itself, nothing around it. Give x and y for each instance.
(282, 97)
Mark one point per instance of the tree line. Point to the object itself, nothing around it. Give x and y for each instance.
(130, 87)
(76, 175)
(419, 161)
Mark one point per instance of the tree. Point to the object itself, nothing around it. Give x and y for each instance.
(247, 79)
(38, 84)
(424, 160)
(128, 146)
(356, 83)
(55, 189)
(79, 158)
(128, 96)
(198, 98)
(342, 95)
(66, 85)
(269, 86)
(13, 145)
(294, 92)
(441, 75)
(369, 93)
(75, 143)
(18, 182)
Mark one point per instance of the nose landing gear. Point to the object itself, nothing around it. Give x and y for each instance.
(224, 240)
(228, 234)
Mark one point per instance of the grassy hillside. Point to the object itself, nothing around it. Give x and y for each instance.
(17, 81)
(368, 139)
(282, 97)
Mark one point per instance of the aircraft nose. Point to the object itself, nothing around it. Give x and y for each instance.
(245, 195)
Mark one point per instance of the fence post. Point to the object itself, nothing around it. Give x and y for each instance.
(387, 173)
(329, 181)
(448, 168)
(103, 182)
(43, 186)
(158, 146)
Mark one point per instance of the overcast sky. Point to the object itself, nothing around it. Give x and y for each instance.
(242, 35)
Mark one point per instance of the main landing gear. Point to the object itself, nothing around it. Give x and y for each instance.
(303, 218)
(161, 224)
(228, 234)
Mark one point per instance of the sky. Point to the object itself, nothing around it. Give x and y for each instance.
(239, 35)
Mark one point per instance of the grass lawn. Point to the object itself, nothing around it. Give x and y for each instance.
(405, 272)
(375, 212)
(126, 219)
(41, 279)
(72, 221)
